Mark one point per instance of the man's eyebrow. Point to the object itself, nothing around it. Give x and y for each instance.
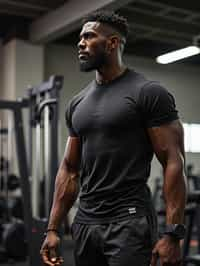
(87, 32)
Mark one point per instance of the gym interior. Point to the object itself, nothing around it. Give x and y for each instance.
(39, 74)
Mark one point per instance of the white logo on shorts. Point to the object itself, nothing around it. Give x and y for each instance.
(132, 210)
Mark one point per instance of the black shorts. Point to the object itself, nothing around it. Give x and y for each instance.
(124, 243)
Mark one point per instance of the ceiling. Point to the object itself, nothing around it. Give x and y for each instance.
(156, 26)
(16, 15)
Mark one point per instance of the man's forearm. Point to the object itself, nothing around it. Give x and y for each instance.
(175, 193)
(65, 194)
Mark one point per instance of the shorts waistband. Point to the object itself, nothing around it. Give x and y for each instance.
(125, 215)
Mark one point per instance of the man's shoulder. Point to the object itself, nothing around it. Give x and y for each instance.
(139, 80)
(136, 82)
(146, 85)
(81, 94)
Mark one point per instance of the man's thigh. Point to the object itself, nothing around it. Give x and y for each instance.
(130, 243)
(135, 260)
(88, 248)
(124, 243)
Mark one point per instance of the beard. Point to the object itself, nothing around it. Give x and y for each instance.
(93, 62)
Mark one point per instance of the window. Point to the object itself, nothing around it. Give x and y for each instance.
(192, 137)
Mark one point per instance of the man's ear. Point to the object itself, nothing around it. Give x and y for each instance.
(113, 43)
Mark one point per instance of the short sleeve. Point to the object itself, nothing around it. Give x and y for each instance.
(157, 105)
(68, 119)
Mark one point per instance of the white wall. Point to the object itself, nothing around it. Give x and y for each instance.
(181, 80)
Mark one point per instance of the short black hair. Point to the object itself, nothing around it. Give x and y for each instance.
(113, 19)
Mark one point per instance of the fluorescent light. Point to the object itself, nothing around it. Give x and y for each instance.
(177, 55)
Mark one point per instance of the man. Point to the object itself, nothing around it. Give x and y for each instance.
(115, 125)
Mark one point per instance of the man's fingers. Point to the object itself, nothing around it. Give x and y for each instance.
(154, 259)
(54, 258)
(59, 261)
(45, 257)
(50, 258)
(52, 255)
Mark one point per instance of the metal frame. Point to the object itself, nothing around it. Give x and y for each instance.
(50, 88)
(16, 108)
(32, 225)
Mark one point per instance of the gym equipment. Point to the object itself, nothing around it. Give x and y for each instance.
(47, 93)
(194, 225)
(8, 181)
(16, 208)
(192, 216)
(14, 240)
(12, 182)
(192, 208)
(16, 107)
(43, 105)
(3, 164)
(44, 127)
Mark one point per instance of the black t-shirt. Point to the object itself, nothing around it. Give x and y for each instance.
(111, 121)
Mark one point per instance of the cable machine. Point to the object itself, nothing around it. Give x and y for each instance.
(42, 104)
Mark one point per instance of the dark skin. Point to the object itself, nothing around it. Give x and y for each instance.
(66, 190)
(167, 142)
(94, 37)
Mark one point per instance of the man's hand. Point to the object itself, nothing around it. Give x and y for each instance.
(49, 250)
(168, 251)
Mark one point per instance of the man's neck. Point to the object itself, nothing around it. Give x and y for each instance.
(107, 74)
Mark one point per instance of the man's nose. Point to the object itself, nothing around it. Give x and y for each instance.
(81, 44)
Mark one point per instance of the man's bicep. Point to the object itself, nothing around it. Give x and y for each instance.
(168, 141)
(72, 154)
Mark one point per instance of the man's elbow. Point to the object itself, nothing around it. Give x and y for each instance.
(176, 164)
(175, 176)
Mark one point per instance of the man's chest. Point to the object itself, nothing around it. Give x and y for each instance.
(105, 111)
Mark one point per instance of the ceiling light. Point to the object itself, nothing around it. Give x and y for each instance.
(181, 53)
(178, 55)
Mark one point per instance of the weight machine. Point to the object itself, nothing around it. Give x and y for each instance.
(42, 104)
(192, 216)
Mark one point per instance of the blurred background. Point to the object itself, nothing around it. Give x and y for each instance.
(39, 74)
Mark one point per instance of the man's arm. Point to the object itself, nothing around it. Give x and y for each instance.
(66, 190)
(66, 185)
(168, 144)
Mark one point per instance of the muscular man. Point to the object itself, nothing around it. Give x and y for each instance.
(115, 125)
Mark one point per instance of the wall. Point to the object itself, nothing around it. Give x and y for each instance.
(8, 71)
(1, 77)
(181, 80)
(22, 64)
(30, 66)
(1, 68)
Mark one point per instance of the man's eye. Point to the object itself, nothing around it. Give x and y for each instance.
(89, 35)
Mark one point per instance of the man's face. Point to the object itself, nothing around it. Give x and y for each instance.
(92, 47)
